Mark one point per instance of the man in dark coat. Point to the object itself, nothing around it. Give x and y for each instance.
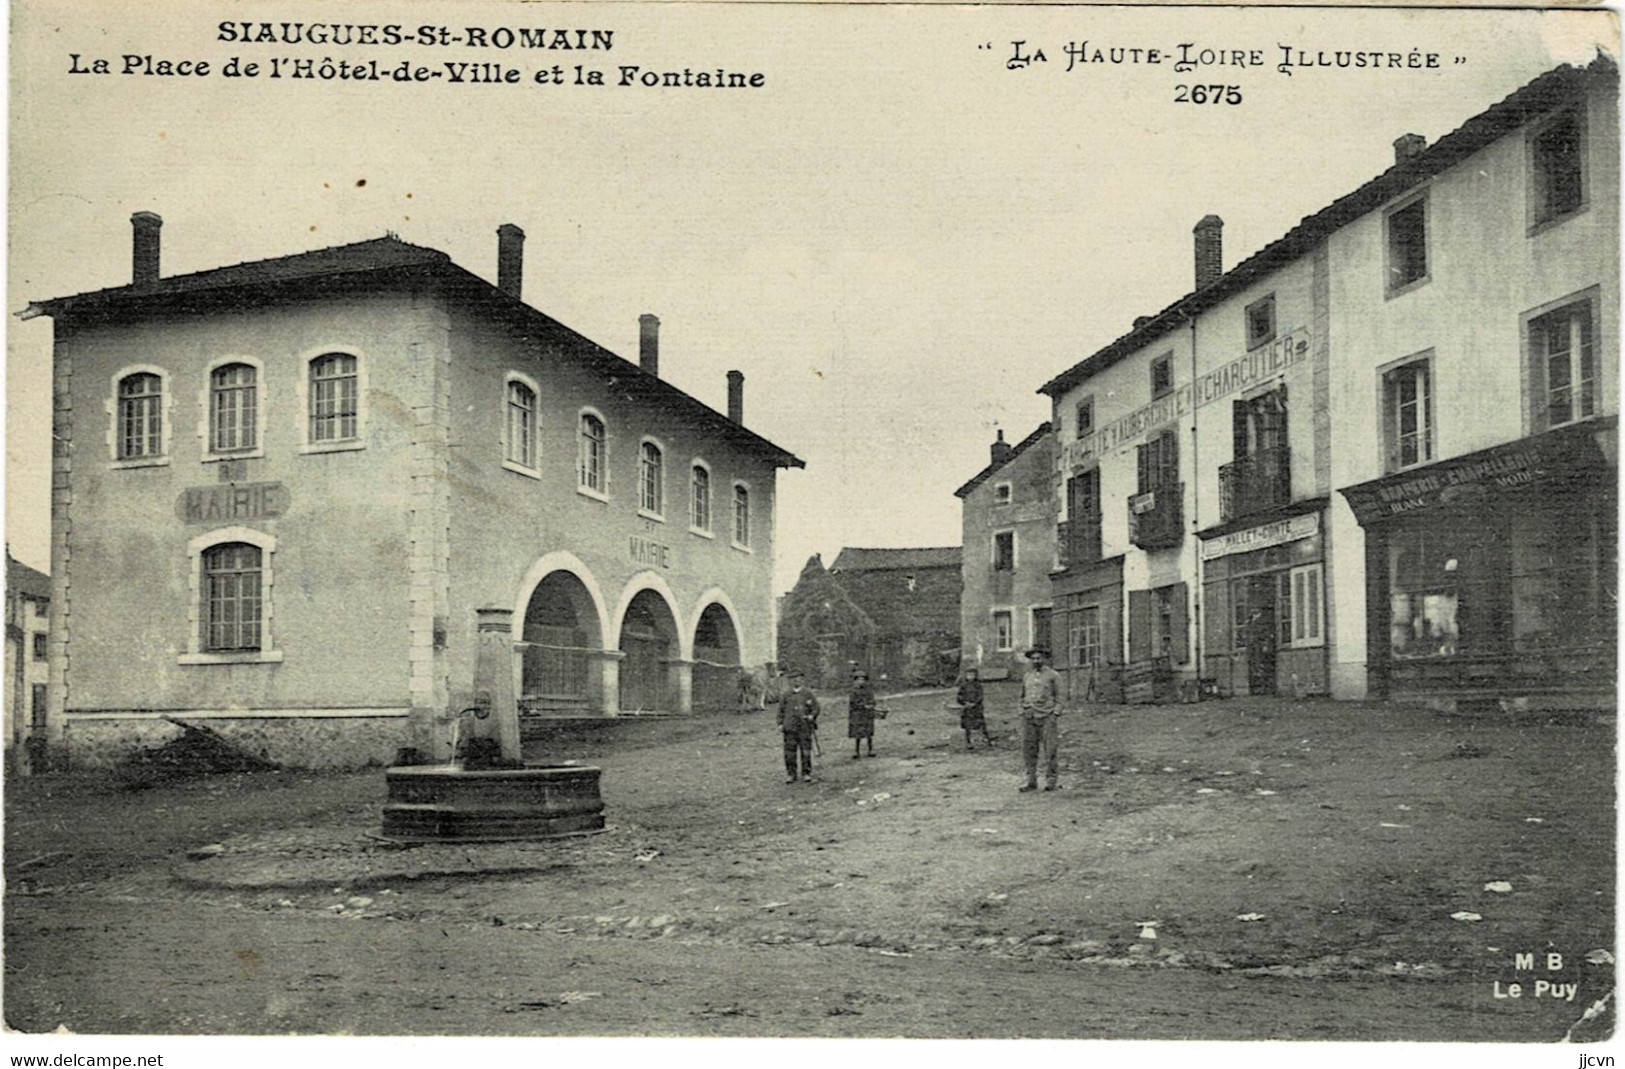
(860, 715)
(798, 718)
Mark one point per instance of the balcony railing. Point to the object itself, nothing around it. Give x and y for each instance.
(1156, 519)
(1255, 483)
(1079, 540)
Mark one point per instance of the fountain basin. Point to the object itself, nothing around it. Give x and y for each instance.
(443, 803)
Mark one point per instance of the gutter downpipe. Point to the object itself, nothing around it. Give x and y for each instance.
(1196, 507)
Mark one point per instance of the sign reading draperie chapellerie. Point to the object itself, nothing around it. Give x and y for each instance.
(1504, 466)
(1263, 536)
(1257, 366)
(232, 502)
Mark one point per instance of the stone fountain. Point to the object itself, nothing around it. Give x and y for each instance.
(488, 793)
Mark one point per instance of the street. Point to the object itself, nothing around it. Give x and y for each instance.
(1242, 869)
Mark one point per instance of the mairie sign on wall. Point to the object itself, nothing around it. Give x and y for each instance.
(1257, 366)
(230, 502)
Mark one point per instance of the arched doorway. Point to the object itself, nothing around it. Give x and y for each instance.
(559, 637)
(649, 641)
(716, 661)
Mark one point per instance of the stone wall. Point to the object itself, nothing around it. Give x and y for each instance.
(295, 742)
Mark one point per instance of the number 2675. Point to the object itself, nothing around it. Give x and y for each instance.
(1207, 94)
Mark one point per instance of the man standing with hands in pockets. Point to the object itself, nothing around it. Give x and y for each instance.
(1040, 719)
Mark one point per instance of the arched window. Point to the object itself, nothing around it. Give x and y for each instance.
(521, 443)
(700, 514)
(333, 398)
(233, 408)
(231, 598)
(741, 515)
(140, 416)
(590, 460)
(651, 479)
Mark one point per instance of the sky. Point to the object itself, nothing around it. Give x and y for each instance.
(897, 238)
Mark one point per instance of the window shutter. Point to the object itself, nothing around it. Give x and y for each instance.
(1216, 615)
(1238, 428)
(1140, 460)
(1390, 417)
(1180, 621)
(1538, 408)
(1280, 416)
(1111, 628)
(1139, 625)
(1170, 458)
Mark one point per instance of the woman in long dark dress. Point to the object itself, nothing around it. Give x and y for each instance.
(971, 715)
(860, 715)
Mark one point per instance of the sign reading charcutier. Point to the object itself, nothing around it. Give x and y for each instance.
(1256, 367)
(232, 502)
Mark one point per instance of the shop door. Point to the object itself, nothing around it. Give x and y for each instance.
(1261, 634)
(1041, 631)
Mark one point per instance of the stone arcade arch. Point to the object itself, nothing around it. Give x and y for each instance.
(717, 659)
(560, 625)
(654, 665)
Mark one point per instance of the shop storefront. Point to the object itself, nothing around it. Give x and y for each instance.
(1264, 605)
(1492, 576)
(1088, 630)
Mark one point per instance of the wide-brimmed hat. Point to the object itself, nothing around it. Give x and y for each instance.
(1037, 651)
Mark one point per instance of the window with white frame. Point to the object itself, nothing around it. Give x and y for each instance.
(1162, 376)
(139, 423)
(590, 455)
(1307, 613)
(233, 408)
(741, 515)
(1004, 634)
(1004, 551)
(334, 399)
(1086, 416)
(1407, 236)
(700, 498)
(1001, 493)
(1083, 627)
(231, 598)
(520, 438)
(651, 480)
(1407, 414)
(1557, 168)
(1563, 364)
(1260, 318)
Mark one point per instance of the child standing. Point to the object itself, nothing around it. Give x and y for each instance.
(860, 715)
(971, 715)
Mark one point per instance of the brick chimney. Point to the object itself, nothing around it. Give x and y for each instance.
(145, 258)
(1209, 250)
(1407, 146)
(649, 343)
(510, 259)
(1001, 450)
(736, 396)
